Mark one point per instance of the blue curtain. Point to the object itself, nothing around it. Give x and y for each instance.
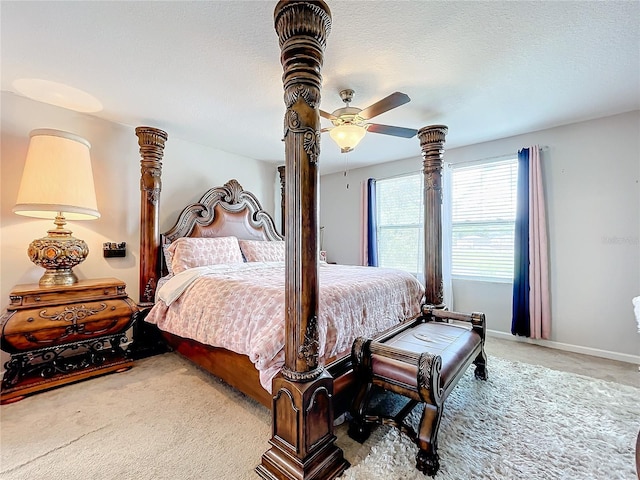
(372, 224)
(520, 324)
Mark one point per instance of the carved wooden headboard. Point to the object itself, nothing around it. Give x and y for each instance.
(221, 212)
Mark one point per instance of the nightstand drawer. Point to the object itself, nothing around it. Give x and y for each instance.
(30, 296)
(28, 329)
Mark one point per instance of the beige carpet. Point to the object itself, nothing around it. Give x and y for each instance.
(165, 419)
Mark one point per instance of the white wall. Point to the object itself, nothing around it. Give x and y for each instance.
(591, 172)
(188, 171)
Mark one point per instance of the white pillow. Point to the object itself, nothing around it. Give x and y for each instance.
(189, 252)
(263, 251)
(168, 257)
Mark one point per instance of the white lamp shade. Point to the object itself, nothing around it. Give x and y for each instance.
(347, 136)
(57, 178)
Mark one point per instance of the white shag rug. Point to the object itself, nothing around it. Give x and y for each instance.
(526, 422)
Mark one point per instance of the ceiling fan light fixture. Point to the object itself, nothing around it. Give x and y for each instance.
(347, 136)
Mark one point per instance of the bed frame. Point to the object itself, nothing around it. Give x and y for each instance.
(306, 396)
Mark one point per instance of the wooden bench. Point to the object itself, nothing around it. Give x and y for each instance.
(423, 363)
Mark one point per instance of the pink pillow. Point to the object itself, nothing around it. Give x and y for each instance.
(198, 252)
(263, 251)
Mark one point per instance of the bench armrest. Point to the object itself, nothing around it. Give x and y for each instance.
(428, 365)
(476, 319)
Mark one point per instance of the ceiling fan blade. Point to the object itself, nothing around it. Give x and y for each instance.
(389, 130)
(327, 115)
(392, 101)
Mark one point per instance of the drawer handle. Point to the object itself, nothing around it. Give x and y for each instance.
(113, 308)
(30, 319)
(106, 291)
(37, 299)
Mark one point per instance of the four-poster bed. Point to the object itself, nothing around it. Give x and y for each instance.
(218, 298)
(306, 393)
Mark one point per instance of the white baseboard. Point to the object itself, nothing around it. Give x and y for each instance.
(595, 352)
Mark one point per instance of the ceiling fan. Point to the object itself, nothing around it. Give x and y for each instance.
(350, 123)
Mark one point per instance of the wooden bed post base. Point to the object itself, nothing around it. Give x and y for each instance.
(302, 446)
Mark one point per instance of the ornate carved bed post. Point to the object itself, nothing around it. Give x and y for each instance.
(302, 444)
(151, 141)
(283, 192)
(146, 337)
(432, 144)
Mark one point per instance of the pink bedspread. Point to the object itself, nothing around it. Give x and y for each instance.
(241, 308)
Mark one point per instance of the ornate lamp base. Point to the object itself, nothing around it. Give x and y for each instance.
(58, 253)
(63, 276)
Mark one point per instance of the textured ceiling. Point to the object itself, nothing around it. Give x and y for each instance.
(209, 71)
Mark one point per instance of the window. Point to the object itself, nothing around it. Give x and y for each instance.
(399, 216)
(483, 212)
(482, 219)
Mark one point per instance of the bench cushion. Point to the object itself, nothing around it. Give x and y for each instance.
(454, 343)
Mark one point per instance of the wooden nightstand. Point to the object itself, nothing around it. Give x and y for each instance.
(62, 334)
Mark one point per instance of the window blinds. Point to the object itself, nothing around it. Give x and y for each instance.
(483, 216)
(400, 217)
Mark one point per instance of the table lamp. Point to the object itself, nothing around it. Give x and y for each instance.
(57, 183)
